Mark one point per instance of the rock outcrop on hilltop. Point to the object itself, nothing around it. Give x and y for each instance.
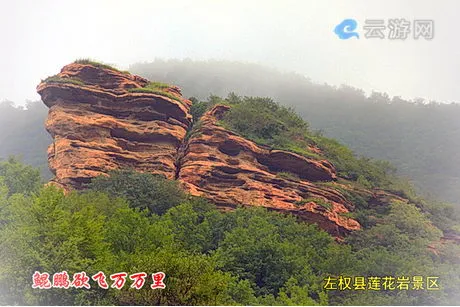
(98, 124)
(103, 119)
(229, 169)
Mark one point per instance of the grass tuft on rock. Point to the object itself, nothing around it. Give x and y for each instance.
(157, 88)
(98, 64)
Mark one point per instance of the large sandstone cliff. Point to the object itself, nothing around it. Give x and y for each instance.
(97, 124)
(102, 119)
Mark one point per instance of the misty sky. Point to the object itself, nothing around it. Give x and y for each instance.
(39, 37)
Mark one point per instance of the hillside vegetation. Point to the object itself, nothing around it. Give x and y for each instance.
(421, 139)
(132, 222)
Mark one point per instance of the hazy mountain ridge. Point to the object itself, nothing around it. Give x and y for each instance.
(23, 134)
(421, 140)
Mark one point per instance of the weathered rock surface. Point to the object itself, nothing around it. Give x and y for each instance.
(228, 169)
(98, 124)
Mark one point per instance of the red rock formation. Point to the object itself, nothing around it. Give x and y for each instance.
(98, 123)
(229, 170)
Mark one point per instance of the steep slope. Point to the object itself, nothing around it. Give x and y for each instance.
(103, 119)
(229, 169)
(421, 140)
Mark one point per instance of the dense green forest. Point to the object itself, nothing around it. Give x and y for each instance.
(132, 222)
(422, 139)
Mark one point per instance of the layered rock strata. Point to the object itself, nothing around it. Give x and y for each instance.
(103, 119)
(97, 124)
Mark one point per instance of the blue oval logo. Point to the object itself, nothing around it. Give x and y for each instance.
(345, 29)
